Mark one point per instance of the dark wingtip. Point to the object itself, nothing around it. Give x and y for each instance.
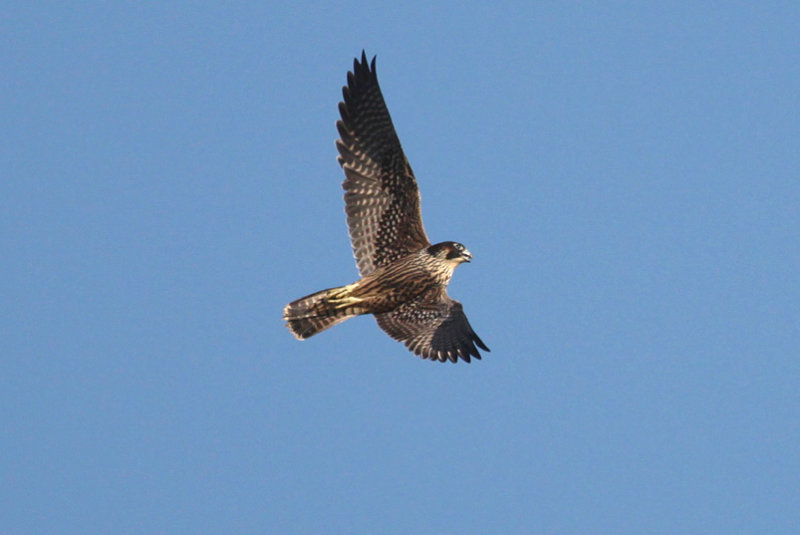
(481, 344)
(365, 64)
(363, 71)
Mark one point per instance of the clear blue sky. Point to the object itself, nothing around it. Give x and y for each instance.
(626, 174)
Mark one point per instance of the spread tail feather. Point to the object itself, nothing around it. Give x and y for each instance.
(316, 312)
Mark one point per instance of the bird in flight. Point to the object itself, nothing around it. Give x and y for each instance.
(403, 276)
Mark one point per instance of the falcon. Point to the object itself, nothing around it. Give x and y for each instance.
(404, 277)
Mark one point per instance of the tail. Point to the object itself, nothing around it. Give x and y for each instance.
(314, 313)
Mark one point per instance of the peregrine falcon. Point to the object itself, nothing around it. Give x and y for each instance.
(403, 277)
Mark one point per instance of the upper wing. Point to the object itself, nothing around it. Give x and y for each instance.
(381, 196)
(435, 329)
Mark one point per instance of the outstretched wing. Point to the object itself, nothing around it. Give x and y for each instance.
(435, 329)
(381, 196)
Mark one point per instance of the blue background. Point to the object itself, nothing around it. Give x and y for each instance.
(625, 173)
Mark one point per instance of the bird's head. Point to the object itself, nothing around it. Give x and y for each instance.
(450, 251)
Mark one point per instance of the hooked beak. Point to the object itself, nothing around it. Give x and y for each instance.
(466, 255)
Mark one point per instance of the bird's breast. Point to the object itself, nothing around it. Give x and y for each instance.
(402, 281)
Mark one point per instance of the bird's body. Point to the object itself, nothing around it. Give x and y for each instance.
(383, 290)
(403, 277)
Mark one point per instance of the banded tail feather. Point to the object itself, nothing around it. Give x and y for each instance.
(321, 310)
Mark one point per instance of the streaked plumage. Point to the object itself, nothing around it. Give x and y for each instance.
(404, 277)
